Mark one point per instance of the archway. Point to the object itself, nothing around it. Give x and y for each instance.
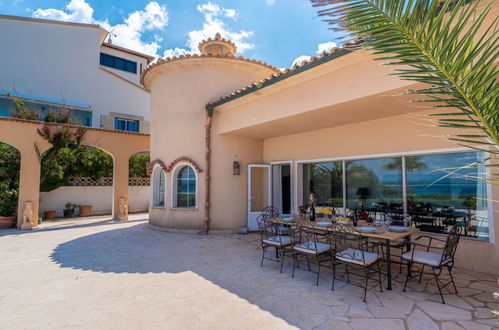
(10, 165)
(76, 182)
(139, 183)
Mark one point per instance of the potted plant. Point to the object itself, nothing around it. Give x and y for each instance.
(7, 212)
(85, 210)
(51, 214)
(69, 210)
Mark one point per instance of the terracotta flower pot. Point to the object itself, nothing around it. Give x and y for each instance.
(49, 214)
(85, 210)
(7, 222)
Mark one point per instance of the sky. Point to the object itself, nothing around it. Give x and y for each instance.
(278, 32)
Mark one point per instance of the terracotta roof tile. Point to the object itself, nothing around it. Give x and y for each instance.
(163, 61)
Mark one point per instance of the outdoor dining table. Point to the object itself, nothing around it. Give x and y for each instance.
(386, 236)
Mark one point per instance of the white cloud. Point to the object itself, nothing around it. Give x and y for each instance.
(214, 15)
(175, 52)
(324, 47)
(300, 59)
(127, 34)
(270, 2)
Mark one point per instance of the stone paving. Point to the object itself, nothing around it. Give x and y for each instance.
(102, 274)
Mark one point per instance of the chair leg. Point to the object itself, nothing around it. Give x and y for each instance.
(409, 265)
(438, 284)
(263, 256)
(295, 261)
(318, 271)
(282, 259)
(452, 278)
(421, 275)
(379, 278)
(367, 283)
(308, 263)
(348, 275)
(334, 275)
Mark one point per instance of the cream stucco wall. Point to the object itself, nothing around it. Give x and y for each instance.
(100, 198)
(179, 93)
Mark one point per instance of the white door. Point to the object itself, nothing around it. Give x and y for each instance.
(259, 192)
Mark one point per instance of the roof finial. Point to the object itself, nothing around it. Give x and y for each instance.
(217, 46)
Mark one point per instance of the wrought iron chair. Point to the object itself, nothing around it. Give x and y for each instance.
(310, 243)
(436, 261)
(272, 212)
(271, 238)
(352, 251)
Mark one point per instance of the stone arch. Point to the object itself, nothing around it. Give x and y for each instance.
(189, 161)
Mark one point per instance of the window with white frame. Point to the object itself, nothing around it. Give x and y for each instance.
(184, 193)
(159, 187)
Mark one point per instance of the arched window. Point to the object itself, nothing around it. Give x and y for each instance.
(185, 187)
(158, 187)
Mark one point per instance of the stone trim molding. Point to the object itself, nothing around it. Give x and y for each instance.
(184, 160)
(150, 166)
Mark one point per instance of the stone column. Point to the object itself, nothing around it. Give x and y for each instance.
(29, 185)
(120, 187)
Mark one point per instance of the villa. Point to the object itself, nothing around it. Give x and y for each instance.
(230, 136)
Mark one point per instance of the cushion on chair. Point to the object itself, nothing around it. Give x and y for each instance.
(310, 247)
(283, 230)
(427, 258)
(279, 240)
(355, 257)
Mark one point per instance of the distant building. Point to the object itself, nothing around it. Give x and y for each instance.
(53, 65)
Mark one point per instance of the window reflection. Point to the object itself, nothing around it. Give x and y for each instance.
(325, 180)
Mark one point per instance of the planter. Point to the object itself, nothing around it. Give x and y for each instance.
(69, 213)
(49, 215)
(7, 222)
(361, 223)
(85, 210)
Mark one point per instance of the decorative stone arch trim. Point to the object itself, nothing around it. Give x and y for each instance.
(183, 160)
(150, 166)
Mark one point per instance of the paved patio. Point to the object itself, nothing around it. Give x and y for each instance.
(99, 273)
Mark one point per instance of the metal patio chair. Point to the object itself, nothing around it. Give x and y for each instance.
(436, 261)
(352, 251)
(310, 243)
(270, 237)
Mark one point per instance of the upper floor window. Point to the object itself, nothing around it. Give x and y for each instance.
(128, 125)
(185, 192)
(118, 63)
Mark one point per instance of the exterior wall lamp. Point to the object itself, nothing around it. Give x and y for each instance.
(236, 168)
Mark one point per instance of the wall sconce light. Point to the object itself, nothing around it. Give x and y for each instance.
(236, 168)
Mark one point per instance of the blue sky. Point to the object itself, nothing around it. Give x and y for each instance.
(274, 31)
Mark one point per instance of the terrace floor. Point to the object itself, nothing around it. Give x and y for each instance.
(98, 273)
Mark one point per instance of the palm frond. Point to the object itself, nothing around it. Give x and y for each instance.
(446, 45)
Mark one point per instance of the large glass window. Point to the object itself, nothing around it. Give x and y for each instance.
(375, 184)
(325, 181)
(441, 189)
(446, 189)
(186, 187)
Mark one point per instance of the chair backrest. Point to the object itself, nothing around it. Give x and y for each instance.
(349, 242)
(270, 212)
(451, 243)
(304, 232)
(266, 227)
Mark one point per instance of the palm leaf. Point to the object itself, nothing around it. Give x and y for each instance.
(444, 44)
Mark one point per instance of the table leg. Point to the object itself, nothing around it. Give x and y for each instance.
(388, 265)
(407, 241)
